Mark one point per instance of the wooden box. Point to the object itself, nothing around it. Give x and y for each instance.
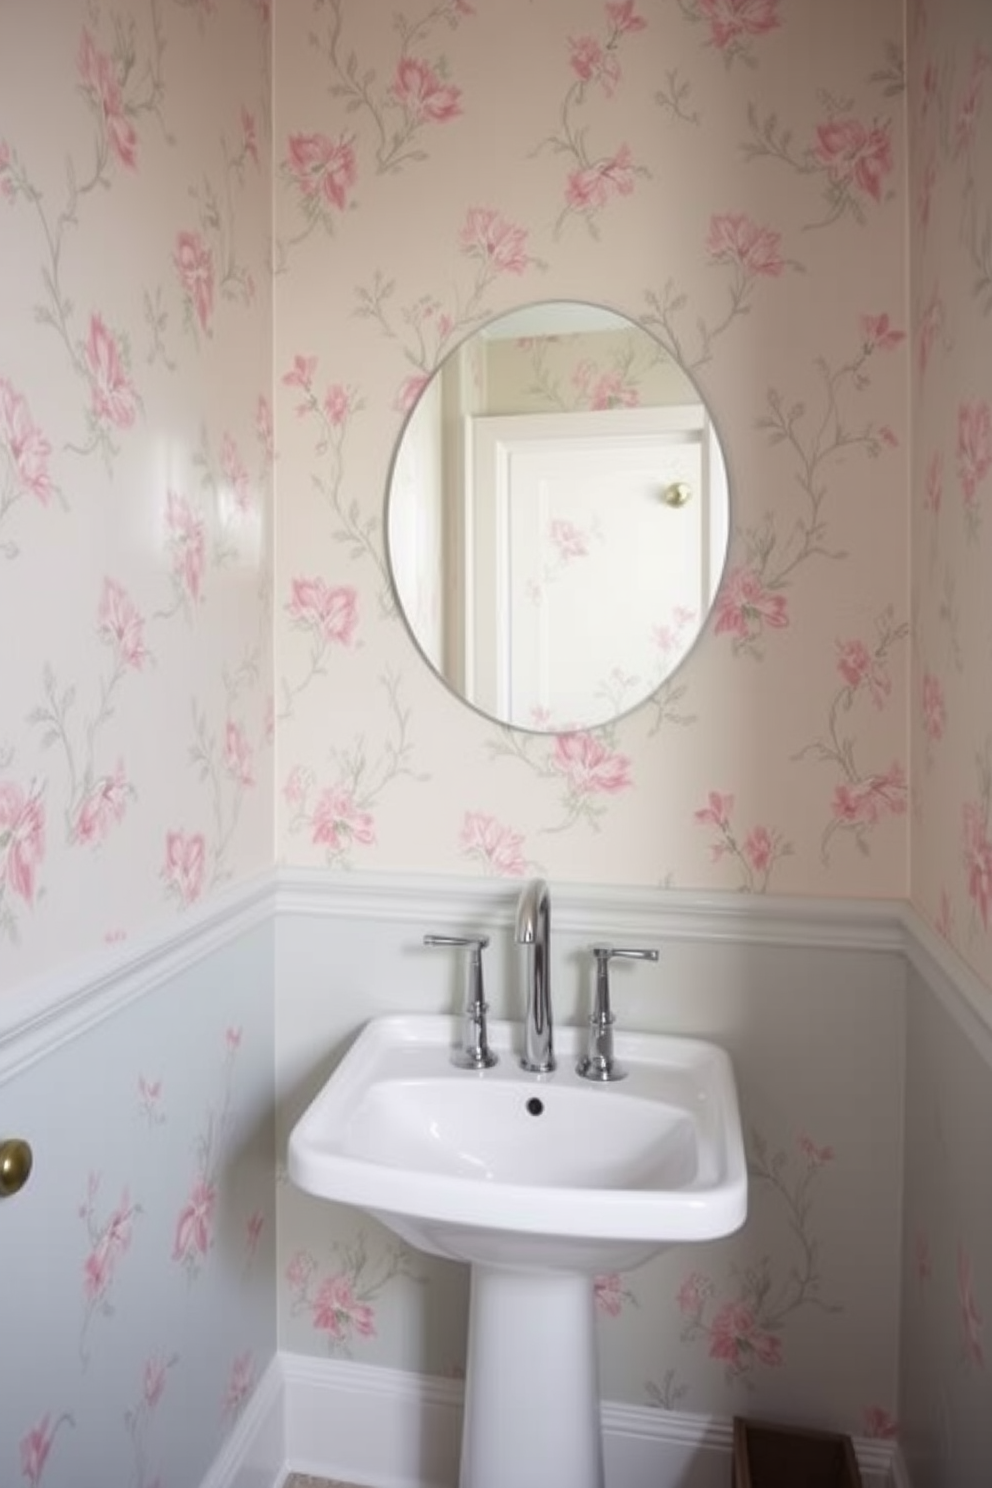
(767, 1456)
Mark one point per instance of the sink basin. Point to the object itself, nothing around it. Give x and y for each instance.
(505, 1167)
(540, 1182)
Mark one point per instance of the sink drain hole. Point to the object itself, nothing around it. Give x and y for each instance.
(535, 1106)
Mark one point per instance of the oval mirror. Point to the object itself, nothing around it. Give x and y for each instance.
(557, 517)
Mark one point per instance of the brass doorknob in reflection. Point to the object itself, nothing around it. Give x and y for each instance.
(15, 1166)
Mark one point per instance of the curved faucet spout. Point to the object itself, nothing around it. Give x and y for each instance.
(533, 929)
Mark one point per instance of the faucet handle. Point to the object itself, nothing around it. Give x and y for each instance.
(474, 1052)
(598, 1063)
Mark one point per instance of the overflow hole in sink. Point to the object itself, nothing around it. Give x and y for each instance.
(535, 1106)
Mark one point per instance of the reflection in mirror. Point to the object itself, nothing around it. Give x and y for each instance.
(558, 517)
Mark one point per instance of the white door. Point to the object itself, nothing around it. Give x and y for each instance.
(586, 579)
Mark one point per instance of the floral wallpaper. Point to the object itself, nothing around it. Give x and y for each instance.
(947, 1278)
(731, 178)
(136, 450)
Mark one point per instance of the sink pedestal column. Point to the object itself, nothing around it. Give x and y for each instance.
(532, 1413)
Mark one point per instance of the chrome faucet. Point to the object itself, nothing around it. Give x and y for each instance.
(533, 930)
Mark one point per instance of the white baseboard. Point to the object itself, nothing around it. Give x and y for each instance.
(254, 1455)
(394, 1429)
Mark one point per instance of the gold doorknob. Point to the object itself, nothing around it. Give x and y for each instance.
(15, 1166)
(677, 494)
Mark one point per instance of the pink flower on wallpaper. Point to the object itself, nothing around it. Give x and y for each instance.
(194, 264)
(879, 1424)
(974, 446)
(591, 187)
(325, 170)
(860, 669)
(736, 1338)
(119, 624)
(36, 1446)
(735, 238)
(153, 1382)
(978, 859)
(336, 1311)
(736, 21)
(970, 107)
(27, 448)
(239, 1385)
(568, 540)
(934, 494)
(814, 1156)
(104, 804)
(879, 334)
(716, 813)
(22, 839)
(410, 391)
(609, 1294)
(623, 17)
(195, 1225)
(865, 803)
(99, 79)
(115, 400)
(301, 375)
(111, 1245)
(591, 63)
(187, 543)
(924, 195)
(339, 404)
(234, 472)
(934, 710)
(500, 245)
(590, 768)
(694, 1292)
(855, 154)
(605, 390)
(253, 1233)
(337, 821)
(498, 847)
(744, 606)
(185, 863)
(417, 88)
(759, 849)
(972, 1323)
(264, 430)
(330, 612)
(930, 327)
(297, 787)
(237, 757)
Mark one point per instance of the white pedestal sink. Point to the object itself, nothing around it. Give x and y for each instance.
(540, 1182)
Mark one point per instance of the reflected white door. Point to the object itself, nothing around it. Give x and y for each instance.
(576, 546)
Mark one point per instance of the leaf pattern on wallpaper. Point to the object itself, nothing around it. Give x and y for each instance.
(753, 598)
(849, 155)
(669, 1394)
(862, 800)
(241, 1381)
(497, 847)
(974, 461)
(328, 615)
(733, 26)
(419, 93)
(950, 114)
(23, 843)
(196, 1224)
(109, 1241)
(225, 762)
(36, 1445)
(140, 1416)
(674, 98)
(425, 330)
(340, 816)
(97, 794)
(330, 418)
(25, 456)
(734, 242)
(119, 90)
(754, 855)
(976, 842)
(586, 766)
(744, 1325)
(205, 257)
(340, 1298)
(593, 179)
